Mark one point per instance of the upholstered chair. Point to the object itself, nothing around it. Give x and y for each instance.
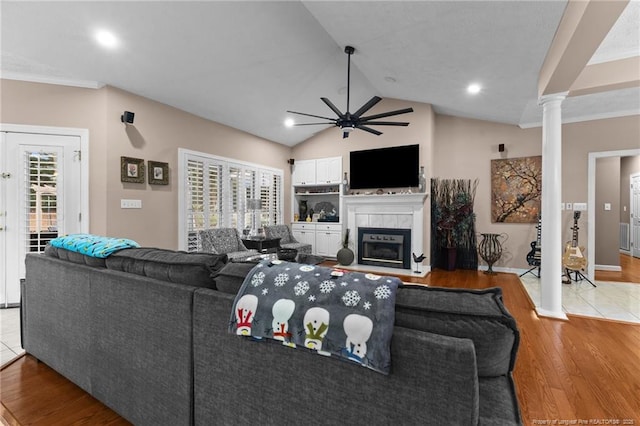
(225, 241)
(287, 240)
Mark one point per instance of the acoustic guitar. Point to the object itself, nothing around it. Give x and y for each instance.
(534, 256)
(574, 258)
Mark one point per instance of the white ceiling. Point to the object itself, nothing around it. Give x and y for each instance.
(244, 63)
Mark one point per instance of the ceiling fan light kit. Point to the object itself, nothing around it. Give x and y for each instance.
(351, 121)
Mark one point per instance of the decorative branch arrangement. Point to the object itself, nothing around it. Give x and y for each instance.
(453, 223)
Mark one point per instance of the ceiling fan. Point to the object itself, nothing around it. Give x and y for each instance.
(350, 121)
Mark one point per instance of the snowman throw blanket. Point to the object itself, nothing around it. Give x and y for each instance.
(333, 312)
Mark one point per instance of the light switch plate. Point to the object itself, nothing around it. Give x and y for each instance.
(569, 206)
(580, 206)
(130, 204)
(607, 206)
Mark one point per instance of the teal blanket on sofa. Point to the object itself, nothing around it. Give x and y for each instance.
(92, 245)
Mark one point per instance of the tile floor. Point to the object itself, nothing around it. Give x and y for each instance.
(610, 300)
(9, 335)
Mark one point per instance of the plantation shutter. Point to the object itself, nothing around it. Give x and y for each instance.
(215, 194)
(195, 202)
(42, 209)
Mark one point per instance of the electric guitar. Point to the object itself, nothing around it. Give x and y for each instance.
(534, 256)
(574, 256)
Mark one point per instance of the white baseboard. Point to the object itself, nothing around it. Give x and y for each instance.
(612, 268)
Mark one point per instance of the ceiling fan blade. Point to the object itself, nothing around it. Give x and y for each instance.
(313, 124)
(385, 123)
(311, 115)
(369, 129)
(387, 114)
(332, 106)
(366, 107)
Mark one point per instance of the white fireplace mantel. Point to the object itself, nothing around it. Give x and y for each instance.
(395, 211)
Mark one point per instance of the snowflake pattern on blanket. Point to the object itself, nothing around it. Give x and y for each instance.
(333, 312)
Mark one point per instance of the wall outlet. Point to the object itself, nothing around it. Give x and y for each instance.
(580, 206)
(130, 204)
(607, 206)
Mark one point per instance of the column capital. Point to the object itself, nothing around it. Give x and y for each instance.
(558, 97)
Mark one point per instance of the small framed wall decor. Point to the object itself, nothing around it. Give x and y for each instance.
(158, 173)
(131, 170)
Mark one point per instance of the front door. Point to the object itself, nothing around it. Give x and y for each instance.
(635, 215)
(40, 198)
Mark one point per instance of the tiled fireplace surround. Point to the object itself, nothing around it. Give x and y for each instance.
(394, 211)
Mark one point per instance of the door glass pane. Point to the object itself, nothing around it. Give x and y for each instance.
(42, 201)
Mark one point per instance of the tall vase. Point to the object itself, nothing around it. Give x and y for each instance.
(422, 181)
(302, 209)
(490, 249)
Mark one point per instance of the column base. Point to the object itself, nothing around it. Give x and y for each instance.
(551, 314)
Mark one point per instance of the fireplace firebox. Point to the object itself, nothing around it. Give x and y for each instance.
(385, 247)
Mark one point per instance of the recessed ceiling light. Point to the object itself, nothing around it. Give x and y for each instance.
(106, 38)
(474, 88)
(289, 122)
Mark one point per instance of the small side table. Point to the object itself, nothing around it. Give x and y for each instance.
(263, 245)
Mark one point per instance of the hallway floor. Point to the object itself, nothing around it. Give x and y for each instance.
(10, 346)
(609, 300)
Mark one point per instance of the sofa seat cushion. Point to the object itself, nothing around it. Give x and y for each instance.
(179, 267)
(479, 315)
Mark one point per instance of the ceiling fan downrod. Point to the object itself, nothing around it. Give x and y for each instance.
(349, 51)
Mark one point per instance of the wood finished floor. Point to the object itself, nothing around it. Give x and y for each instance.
(581, 369)
(630, 271)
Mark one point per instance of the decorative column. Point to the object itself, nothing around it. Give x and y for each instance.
(551, 236)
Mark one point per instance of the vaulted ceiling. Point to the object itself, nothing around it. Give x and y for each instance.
(245, 63)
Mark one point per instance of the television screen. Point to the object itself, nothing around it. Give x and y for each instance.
(394, 167)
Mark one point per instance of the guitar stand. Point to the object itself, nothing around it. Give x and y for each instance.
(579, 276)
(530, 271)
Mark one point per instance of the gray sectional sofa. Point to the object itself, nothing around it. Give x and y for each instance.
(145, 331)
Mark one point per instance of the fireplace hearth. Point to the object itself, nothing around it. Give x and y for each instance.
(384, 247)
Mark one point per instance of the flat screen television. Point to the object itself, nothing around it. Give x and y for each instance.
(394, 167)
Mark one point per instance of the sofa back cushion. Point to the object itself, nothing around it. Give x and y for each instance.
(179, 267)
(74, 257)
(229, 279)
(479, 315)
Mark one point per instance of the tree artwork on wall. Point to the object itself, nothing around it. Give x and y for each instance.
(516, 185)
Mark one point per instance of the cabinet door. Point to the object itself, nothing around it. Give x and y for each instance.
(328, 240)
(304, 172)
(329, 170)
(305, 233)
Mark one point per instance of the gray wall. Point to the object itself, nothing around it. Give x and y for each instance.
(607, 221)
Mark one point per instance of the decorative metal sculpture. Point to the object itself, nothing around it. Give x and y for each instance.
(490, 249)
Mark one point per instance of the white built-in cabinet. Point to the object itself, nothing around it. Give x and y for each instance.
(304, 172)
(321, 171)
(328, 239)
(304, 233)
(329, 170)
(319, 183)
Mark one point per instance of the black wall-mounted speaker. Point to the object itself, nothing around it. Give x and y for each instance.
(501, 147)
(291, 161)
(127, 117)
